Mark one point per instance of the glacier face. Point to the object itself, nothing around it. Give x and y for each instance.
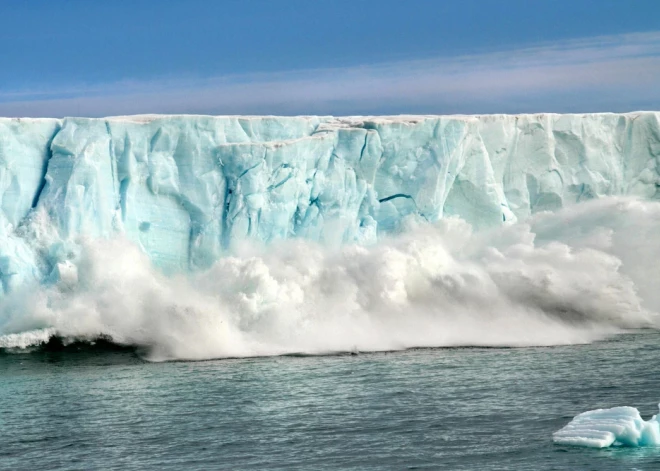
(187, 189)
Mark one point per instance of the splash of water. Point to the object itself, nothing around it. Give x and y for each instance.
(573, 276)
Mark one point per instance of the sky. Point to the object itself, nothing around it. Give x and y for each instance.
(343, 57)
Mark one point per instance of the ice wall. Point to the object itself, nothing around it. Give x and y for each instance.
(187, 189)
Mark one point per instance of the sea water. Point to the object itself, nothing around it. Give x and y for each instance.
(104, 407)
(561, 299)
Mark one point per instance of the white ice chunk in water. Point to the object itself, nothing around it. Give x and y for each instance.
(601, 428)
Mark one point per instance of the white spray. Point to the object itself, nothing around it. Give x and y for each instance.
(573, 276)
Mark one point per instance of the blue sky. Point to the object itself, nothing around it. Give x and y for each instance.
(94, 58)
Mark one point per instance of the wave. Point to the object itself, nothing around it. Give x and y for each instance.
(52, 343)
(572, 276)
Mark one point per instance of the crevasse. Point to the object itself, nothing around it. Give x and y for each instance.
(188, 189)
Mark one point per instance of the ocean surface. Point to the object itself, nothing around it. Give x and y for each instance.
(105, 407)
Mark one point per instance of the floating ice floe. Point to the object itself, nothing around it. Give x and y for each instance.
(601, 428)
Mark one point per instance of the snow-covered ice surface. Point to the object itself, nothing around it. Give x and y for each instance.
(214, 236)
(601, 428)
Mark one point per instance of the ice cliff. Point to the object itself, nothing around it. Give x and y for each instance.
(187, 189)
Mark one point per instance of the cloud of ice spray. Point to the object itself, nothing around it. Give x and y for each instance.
(573, 276)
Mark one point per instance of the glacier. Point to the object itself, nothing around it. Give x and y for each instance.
(201, 237)
(188, 189)
(602, 428)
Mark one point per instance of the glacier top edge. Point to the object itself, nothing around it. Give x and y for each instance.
(406, 118)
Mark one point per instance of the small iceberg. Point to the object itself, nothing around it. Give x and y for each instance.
(601, 428)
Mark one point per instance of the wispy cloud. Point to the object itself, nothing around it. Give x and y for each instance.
(608, 73)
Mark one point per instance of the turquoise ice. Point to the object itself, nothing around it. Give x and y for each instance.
(188, 189)
(618, 426)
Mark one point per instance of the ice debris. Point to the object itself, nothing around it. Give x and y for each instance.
(601, 428)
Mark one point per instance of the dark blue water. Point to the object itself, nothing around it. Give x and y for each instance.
(105, 408)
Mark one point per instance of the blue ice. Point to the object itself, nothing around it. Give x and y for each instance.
(601, 428)
(188, 189)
